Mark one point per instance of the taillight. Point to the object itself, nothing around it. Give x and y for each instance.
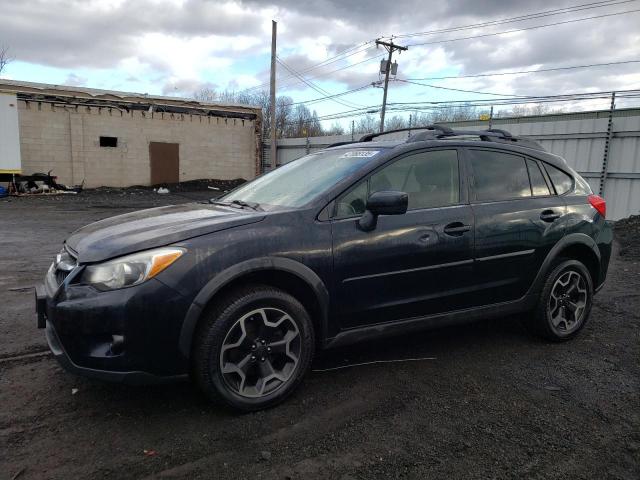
(599, 204)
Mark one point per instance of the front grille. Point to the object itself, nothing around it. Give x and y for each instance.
(64, 263)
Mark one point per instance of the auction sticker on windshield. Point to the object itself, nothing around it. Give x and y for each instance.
(359, 153)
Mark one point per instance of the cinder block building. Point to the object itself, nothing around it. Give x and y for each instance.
(119, 139)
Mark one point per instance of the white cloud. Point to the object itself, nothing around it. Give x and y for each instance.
(186, 44)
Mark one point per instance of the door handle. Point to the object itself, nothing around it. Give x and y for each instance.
(456, 229)
(549, 216)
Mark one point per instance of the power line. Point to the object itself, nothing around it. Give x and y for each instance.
(530, 16)
(314, 86)
(523, 29)
(457, 89)
(294, 82)
(526, 71)
(321, 99)
(439, 105)
(335, 58)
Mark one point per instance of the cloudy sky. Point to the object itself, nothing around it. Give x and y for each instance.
(176, 47)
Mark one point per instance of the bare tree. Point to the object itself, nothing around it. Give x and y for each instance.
(367, 124)
(527, 110)
(395, 122)
(290, 122)
(206, 94)
(283, 114)
(335, 129)
(5, 59)
(303, 123)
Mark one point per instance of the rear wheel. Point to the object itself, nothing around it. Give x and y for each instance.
(565, 302)
(253, 349)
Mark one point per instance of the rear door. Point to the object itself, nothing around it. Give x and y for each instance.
(410, 265)
(518, 219)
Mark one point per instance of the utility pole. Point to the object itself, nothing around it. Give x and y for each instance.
(391, 47)
(272, 95)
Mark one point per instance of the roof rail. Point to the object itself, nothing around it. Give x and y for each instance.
(437, 132)
(338, 144)
(503, 132)
(490, 135)
(370, 136)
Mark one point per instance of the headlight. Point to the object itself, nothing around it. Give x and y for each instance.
(131, 269)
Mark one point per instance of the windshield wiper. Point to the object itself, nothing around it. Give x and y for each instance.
(240, 203)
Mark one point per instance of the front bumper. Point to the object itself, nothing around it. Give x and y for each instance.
(128, 335)
(130, 377)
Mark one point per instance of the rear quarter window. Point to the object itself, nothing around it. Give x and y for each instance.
(539, 185)
(562, 181)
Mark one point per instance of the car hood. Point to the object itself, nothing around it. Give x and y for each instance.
(155, 227)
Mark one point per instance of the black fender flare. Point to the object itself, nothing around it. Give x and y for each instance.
(238, 270)
(566, 241)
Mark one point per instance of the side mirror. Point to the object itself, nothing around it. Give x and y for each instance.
(383, 203)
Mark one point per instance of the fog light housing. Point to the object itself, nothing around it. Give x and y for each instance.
(116, 347)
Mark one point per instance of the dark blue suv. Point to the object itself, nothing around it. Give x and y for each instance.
(357, 241)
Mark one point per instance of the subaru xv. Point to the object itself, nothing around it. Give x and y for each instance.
(357, 241)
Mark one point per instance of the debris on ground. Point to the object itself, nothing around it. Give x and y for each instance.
(149, 453)
(162, 191)
(265, 455)
(18, 474)
(74, 391)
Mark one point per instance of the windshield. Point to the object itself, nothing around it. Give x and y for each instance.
(301, 181)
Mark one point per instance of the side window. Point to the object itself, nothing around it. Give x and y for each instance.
(499, 176)
(353, 202)
(560, 180)
(539, 185)
(431, 179)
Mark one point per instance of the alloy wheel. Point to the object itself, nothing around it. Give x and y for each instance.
(260, 352)
(568, 302)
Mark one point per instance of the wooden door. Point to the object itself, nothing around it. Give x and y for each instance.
(165, 162)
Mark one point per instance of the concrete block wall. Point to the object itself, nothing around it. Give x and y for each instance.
(67, 140)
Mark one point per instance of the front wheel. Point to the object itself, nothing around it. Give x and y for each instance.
(253, 349)
(565, 302)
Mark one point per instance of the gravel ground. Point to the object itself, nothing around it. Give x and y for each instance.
(493, 403)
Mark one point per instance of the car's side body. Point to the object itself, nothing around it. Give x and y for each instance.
(429, 267)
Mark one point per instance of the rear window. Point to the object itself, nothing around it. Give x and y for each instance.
(561, 181)
(499, 176)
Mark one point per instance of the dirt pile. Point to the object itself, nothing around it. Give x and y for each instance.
(627, 233)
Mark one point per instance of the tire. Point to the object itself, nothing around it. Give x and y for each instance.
(256, 332)
(548, 320)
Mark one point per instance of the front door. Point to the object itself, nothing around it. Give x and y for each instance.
(518, 220)
(165, 162)
(410, 265)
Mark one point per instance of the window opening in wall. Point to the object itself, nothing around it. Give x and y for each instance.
(108, 141)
